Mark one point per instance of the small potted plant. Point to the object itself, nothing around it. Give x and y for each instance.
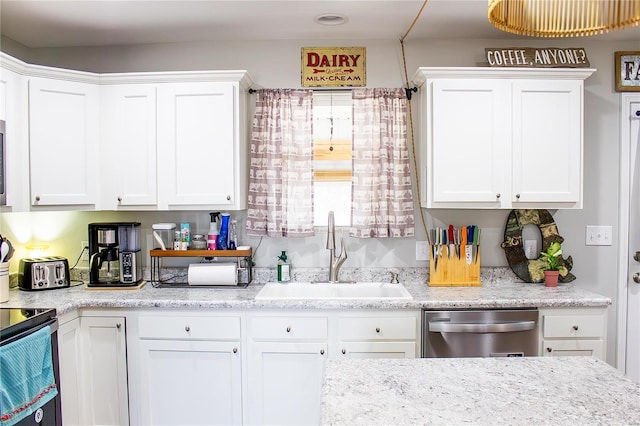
(553, 264)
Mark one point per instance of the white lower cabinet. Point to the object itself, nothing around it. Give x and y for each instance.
(285, 363)
(104, 360)
(70, 371)
(189, 369)
(286, 354)
(571, 332)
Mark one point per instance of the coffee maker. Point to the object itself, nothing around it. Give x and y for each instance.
(114, 254)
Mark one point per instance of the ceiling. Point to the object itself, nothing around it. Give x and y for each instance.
(52, 23)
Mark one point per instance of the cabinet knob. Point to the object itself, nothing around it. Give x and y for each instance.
(344, 351)
(321, 351)
(37, 198)
(235, 350)
(377, 329)
(288, 329)
(119, 199)
(228, 197)
(575, 327)
(638, 113)
(517, 196)
(118, 326)
(636, 256)
(498, 195)
(549, 349)
(187, 328)
(636, 277)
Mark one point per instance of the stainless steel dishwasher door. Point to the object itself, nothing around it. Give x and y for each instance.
(481, 333)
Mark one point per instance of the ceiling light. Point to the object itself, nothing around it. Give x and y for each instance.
(330, 19)
(563, 18)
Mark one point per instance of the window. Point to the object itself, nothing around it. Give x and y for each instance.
(332, 146)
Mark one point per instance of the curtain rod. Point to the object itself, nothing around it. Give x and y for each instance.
(408, 90)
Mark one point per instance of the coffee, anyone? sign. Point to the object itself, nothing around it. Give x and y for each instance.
(545, 57)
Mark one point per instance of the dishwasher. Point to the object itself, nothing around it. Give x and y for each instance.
(480, 333)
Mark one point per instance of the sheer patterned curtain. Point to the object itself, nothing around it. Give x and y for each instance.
(280, 201)
(382, 199)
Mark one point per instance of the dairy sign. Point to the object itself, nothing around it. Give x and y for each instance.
(333, 67)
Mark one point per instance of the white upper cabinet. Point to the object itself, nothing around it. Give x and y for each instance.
(63, 142)
(201, 145)
(501, 138)
(13, 110)
(128, 147)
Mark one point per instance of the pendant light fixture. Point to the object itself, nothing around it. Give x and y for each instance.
(563, 18)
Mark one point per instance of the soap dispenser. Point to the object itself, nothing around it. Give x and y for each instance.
(284, 269)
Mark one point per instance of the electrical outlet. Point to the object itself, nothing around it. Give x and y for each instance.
(422, 250)
(598, 236)
(84, 245)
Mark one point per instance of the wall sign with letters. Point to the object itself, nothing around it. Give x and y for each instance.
(627, 71)
(534, 57)
(333, 66)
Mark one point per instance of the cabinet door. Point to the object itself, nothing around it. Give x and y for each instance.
(63, 142)
(70, 374)
(128, 147)
(105, 371)
(285, 382)
(13, 112)
(197, 140)
(466, 142)
(547, 141)
(190, 382)
(377, 350)
(573, 347)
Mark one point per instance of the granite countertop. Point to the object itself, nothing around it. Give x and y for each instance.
(514, 391)
(494, 293)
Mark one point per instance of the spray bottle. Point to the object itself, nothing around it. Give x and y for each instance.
(284, 270)
(212, 236)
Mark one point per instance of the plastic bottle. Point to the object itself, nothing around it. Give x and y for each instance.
(212, 235)
(284, 270)
(224, 232)
(233, 235)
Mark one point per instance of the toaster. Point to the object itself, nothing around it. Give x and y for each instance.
(43, 273)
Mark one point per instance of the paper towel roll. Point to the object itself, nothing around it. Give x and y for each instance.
(212, 274)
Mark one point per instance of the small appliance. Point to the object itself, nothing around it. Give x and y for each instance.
(114, 254)
(43, 273)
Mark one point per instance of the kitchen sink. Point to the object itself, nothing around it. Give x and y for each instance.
(333, 291)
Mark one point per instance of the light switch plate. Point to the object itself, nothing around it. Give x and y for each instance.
(599, 236)
(422, 250)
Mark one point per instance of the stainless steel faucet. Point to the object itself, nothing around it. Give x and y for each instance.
(334, 262)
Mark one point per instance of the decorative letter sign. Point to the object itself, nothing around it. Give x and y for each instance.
(533, 57)
(628, 71)
(333, 66)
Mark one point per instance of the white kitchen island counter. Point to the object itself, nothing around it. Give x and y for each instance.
(479, 391)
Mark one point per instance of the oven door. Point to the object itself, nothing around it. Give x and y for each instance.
(50, 414)
(482, 333)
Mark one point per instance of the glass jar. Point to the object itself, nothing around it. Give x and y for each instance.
(199, 242)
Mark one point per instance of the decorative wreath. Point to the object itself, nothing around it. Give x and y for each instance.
(531, 270)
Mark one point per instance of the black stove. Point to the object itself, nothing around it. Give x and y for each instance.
(15, 321)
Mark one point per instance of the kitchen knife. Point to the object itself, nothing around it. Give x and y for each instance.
(452, 244)
(463, 241)
(476, 244)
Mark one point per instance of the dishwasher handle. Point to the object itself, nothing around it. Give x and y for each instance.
(444, 326)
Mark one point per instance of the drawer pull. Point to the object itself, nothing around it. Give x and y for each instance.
(575, 327)
(288, 329)
(344, 351)
(377, 329)
(235, 350)
(187, 328)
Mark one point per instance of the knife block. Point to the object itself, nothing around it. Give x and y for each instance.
(453, 272)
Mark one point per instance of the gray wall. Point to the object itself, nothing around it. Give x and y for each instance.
(276, 64)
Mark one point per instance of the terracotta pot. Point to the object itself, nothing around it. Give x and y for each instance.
(551, 278)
